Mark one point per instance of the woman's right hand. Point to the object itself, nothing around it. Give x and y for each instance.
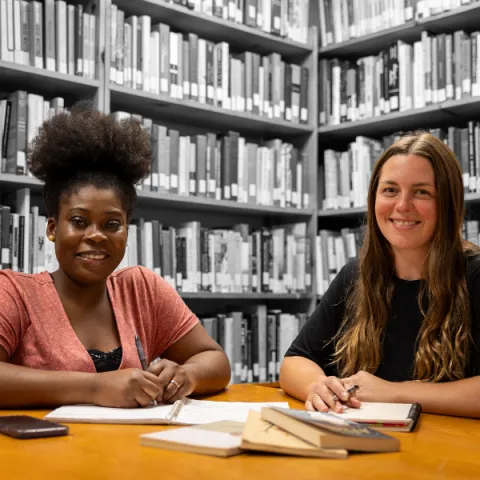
(321, 395)
(127, 388)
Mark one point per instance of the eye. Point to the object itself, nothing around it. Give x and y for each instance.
(114, 225)
(424, 193)
(389, 190)
(78, 222)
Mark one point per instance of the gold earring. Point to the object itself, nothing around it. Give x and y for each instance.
(51, 238)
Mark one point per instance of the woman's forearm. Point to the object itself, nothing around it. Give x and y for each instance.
(209, 371)
(28, 387)
(459, 398)
(297, 375)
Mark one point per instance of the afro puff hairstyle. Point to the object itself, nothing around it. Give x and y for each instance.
(86, 147)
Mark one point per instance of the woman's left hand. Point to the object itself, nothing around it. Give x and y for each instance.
(175, 382)
(371, 388)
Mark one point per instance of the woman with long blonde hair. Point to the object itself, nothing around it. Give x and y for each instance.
(403, 321)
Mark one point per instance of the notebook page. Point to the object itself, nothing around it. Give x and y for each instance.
(198, 412)
(194, 412)
(378, 412)
(96, 414)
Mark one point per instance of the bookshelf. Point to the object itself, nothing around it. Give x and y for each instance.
(450, 113)
(193, 118)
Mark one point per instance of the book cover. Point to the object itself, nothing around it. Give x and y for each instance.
(329, 431)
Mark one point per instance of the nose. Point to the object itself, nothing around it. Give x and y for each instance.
(95, 234)
(404, 202)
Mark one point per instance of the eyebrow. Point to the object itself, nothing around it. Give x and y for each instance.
(106, 212)
(418, 184)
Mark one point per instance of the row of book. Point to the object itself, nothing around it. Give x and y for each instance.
(344, 176)
(333, 249)
(343, 20)
(286, 18)
(432, 70)
(155, 59)
(225, 167)
(193, 258)
(190, 257)
(255, 341)
(21, 114)
(50, 34)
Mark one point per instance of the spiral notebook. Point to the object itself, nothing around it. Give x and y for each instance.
(189, 412)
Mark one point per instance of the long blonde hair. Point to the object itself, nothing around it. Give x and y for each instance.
(444, 340)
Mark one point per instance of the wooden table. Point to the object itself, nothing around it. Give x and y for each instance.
(441, 447)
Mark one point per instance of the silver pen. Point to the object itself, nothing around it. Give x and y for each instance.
(349, 391)
(176, 409)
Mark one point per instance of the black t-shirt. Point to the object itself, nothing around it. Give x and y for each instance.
(401, 331)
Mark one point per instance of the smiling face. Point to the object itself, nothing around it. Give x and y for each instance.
(405, 203)
(90, 234)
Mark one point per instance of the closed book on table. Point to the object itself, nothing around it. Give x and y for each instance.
(264, 436)
(394, 417)
(329, 431)
(219, 439)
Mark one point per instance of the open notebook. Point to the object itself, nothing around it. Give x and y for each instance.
(193, 412)
(396, 417)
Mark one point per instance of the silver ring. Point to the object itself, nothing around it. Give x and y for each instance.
(175, 383)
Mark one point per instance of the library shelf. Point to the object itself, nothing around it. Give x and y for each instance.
(245, 296)
(241, 37)
(342, 212)
(160, 106)
(20, 181)
(47, 83)
(178, 202)
(430, 116)
(467, 16)
(204, 204)
(470, 198)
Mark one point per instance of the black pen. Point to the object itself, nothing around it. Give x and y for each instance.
(349, 391)
(141, 352)
(141, 356)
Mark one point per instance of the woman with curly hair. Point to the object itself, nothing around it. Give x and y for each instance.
(70, 337)
(402, 322)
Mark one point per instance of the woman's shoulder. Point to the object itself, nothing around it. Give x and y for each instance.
(138, 275)
(20, 280)
(343, 281)
(473, 267)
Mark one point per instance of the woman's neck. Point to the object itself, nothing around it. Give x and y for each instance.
(82, 295)
(409, 264)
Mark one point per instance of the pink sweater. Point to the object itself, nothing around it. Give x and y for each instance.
(36, 333)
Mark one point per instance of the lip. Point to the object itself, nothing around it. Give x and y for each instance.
(403, 227)
(93, 261)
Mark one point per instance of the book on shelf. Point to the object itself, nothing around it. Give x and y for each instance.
(53, 35)
(329, 431)
(344, 179)
(190, 257)
(342, 20)
(403, 77)
(154, 58)
(21, 114)
(285, 19)
(255, 340)
(225, 167)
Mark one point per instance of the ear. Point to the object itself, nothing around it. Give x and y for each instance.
(51, 226)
